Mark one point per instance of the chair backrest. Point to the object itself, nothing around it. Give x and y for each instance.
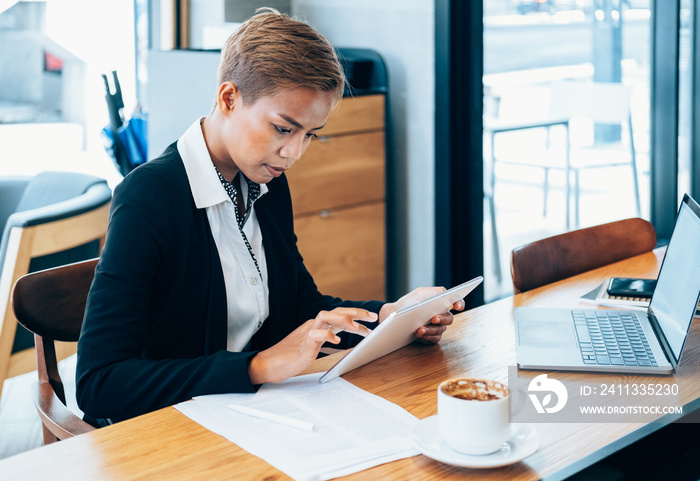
(555, 258)
(602, 102)
(58, 215)
(51, 304)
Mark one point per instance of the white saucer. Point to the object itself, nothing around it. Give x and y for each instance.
(524, 441)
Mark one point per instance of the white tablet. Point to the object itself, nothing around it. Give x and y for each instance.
(399, 329)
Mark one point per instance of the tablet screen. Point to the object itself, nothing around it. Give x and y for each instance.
(398, 329)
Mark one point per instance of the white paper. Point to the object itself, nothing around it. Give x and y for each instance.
(355, 430)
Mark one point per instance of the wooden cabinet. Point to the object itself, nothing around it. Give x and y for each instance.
(338, 191)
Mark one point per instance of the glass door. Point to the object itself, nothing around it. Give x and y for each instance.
(566, 121)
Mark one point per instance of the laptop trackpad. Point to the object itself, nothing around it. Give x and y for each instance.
(546, 334)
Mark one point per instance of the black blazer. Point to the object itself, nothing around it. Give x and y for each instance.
(155, 326)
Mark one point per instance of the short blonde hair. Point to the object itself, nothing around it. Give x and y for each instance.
(271, 52)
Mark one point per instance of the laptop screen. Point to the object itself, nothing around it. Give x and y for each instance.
(678, 287)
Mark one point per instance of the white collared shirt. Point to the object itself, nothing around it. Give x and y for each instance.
(246, 296)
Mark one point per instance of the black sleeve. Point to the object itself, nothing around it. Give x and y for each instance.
(142, 345)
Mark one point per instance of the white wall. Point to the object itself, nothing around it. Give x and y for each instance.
(403, 32)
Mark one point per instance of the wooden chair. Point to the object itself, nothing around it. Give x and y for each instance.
(51, 304)
(554, 258)
(50, 219)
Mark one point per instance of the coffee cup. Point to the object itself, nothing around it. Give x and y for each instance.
(473, 415)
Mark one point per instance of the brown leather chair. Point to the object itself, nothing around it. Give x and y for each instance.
(554, 258)
(51, 304)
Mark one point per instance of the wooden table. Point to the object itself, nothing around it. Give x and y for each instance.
(166, 445)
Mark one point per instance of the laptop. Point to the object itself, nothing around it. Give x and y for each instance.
(622, 341)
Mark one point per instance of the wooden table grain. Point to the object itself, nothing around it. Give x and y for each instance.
(166, 445)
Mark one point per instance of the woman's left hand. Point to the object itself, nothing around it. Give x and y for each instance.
(432, 331)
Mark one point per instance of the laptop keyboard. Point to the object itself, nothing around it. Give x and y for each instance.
(612, 338)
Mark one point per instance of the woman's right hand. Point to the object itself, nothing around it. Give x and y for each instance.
(298, 350)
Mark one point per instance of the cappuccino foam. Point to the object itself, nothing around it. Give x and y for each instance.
(475, 389)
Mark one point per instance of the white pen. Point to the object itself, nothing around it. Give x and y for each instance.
(275, 418)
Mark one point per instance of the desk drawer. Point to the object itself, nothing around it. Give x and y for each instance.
(344, 251)
(339, 171)
(356, 114)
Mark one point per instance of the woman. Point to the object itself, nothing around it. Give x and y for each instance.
(200, 288)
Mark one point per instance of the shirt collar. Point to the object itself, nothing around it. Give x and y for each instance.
(250, 192)
(201, 174)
